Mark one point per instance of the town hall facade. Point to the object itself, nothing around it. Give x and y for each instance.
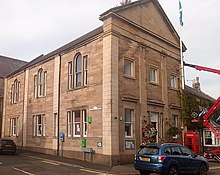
(100, 90)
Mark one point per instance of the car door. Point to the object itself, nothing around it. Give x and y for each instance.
(189, 157)
(176, 154)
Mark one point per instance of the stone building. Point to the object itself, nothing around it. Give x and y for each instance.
(7, 66)
(99, 90)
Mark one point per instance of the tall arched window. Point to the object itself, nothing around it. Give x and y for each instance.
(15, 91)
(40, 83)
(78, 70)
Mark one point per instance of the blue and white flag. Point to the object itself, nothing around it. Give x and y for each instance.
(181, 13)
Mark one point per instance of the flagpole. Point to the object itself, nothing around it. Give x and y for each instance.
(181, 70)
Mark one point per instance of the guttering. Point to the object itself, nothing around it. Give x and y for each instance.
(58, 111)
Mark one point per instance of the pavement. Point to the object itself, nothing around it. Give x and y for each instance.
(127, 169)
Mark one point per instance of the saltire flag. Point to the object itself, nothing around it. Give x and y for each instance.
(181, 13)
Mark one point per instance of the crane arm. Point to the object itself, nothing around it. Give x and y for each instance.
(202, 68)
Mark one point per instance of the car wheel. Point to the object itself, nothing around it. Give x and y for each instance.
(144, 173)
(173, 171)
(202, 170)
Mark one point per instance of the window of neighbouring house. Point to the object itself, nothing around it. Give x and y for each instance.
(15, 91)
(128, 68)
(173, 81)
(77, 125)
(39, 122)
(129, 117)
(153, 75)
(40, 83)
(208, 138)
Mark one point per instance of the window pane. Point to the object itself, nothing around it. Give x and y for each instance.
(127, 129)
(78, 79)
(78, 63)
(128, 67)
(77, 116)
(127, 115)
(77, 129)
(153, 75)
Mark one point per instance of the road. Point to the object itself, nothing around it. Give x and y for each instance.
(34, 165)
(29, 165)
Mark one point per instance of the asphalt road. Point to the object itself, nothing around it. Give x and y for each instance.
(21, 165)
(33, 165)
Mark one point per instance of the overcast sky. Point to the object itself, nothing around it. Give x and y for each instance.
(29, 28)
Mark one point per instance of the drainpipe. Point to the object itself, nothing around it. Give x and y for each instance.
(58, 112)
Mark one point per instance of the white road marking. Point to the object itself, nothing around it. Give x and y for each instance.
(50, 162)
(25, 172)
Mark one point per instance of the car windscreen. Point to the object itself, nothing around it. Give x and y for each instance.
(149, 150)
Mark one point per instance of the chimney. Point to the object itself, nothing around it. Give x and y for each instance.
(123, 2)
(196, 84)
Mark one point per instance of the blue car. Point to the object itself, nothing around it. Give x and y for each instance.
(169, 159)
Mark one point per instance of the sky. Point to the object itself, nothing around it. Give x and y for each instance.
(29, 28)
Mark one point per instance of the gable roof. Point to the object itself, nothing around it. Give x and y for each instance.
(198, 93)
(8, 65)
(117, 9)
(60, 50)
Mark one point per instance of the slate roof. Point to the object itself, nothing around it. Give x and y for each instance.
(8, 65)
(199, 93)
(64, 48)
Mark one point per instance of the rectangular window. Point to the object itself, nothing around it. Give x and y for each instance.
(39, 124)
(208, 138)
(55, 125)
(84, 117)
(70, 75)
(13, 126)
(153, 75)
(45, 84)
(128, 68)
(69, 124)
(85, 66)
(161, 128)
(35, 86)
(12, 96)
(129, 116)
(78, 71)
(174, 120)
(173, 81)
(76, 123)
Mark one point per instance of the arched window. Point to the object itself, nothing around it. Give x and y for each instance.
(78, 70)
(15, 91)
(40, 83)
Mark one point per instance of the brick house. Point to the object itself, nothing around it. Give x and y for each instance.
(7, 66)
(100, 90)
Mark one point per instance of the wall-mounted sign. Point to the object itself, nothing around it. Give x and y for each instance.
(99, 144)
(129, 144)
